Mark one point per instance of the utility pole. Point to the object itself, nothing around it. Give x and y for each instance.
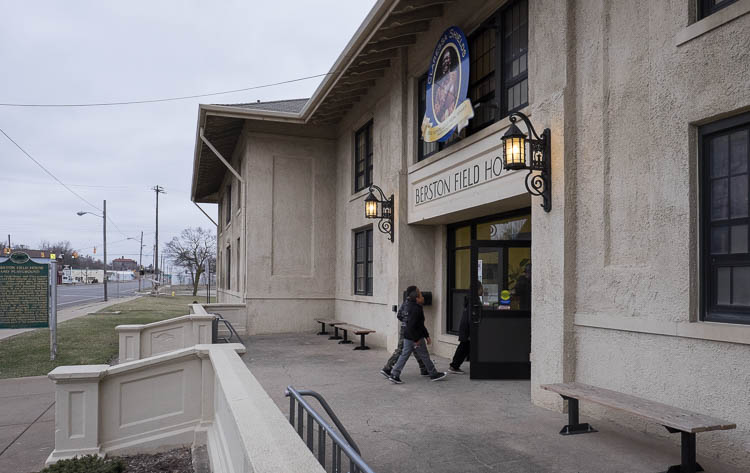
(158, 190)
(140, 265)
(104, 217)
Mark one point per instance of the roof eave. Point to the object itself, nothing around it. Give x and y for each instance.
(371, 23)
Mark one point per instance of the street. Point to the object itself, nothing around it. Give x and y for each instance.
(69, 295)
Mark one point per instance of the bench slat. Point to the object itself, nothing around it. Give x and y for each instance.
(354, 329)
(674, 417)
(331, 322)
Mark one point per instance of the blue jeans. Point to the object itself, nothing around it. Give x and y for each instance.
(419, 350)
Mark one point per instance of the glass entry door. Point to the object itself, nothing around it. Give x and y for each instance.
(500, 296)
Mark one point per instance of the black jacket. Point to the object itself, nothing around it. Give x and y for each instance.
(415, 329)
(464, 329)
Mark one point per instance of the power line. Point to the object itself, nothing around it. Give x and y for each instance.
(47, 171)
(168, 99)
(58, 180)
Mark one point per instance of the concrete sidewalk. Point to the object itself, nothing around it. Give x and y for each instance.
(69, 313)
(455, 425)
(27, 423)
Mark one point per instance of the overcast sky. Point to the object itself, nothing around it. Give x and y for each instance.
(93, 51)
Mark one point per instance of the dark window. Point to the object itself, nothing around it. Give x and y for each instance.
(363, 262)
(725, 193)
(709, 7)
(492, 69)
(228, 284)
(228, 203)
(363, 157)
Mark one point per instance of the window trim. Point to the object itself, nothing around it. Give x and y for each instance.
(367, 263)
(706, 276)
(366, 129)
(705, 9)
(228, 282)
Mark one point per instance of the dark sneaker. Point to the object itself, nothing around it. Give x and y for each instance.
(395, 380)
(437, 376)
(453, 370)
(424, 373)
(386, 373)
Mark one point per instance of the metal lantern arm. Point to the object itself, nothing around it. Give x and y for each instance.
(513, 117)
(539, 185)
(385, 216)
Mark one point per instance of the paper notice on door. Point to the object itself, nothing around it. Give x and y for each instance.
(479, 270)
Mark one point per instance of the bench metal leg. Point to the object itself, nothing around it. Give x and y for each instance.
(688, 463)
(322, 329)
(362, 345)
(345, 340)
(574, 425)
(335, 335)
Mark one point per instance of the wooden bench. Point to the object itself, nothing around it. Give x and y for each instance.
(362, 332)
(675, 420)
(333, 323)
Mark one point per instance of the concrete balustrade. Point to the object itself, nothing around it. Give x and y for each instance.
(142, 341)
(201, 395)
(236, 314)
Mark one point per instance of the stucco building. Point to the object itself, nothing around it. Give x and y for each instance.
(641, 270)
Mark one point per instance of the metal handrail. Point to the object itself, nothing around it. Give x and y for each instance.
(332, 415)
(230, 327)
(356, 464)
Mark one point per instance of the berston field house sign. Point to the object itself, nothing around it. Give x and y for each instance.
(24, 292)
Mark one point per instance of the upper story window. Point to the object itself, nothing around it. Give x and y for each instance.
(228, 203)
(725, 197)
(363, 157)
(709, 7)
(498, 75)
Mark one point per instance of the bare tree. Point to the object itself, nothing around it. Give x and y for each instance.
(191, 250)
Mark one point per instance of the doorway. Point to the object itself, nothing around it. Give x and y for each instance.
(491, 274)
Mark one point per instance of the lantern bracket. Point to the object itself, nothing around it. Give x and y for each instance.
(539, 149)
(385, 214)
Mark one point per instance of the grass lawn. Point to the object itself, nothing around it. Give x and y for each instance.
(86, 340)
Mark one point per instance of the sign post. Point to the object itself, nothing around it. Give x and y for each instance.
(53, 308)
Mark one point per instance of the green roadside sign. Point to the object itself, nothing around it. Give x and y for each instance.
(24, 293)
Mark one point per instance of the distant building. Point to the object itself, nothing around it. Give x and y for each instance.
(124, 264)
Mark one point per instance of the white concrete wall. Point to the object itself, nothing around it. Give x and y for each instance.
(284, 225)
(202, 395)
(640, 95)
(144, 340)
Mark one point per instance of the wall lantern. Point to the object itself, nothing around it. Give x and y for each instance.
(372, 203)
(515, 144)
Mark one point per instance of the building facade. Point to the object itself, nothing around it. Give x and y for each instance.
(641, 270)
(124, 264)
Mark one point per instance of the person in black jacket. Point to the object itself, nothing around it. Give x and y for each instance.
(402, 316)
(416, 338)
(464, 335)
